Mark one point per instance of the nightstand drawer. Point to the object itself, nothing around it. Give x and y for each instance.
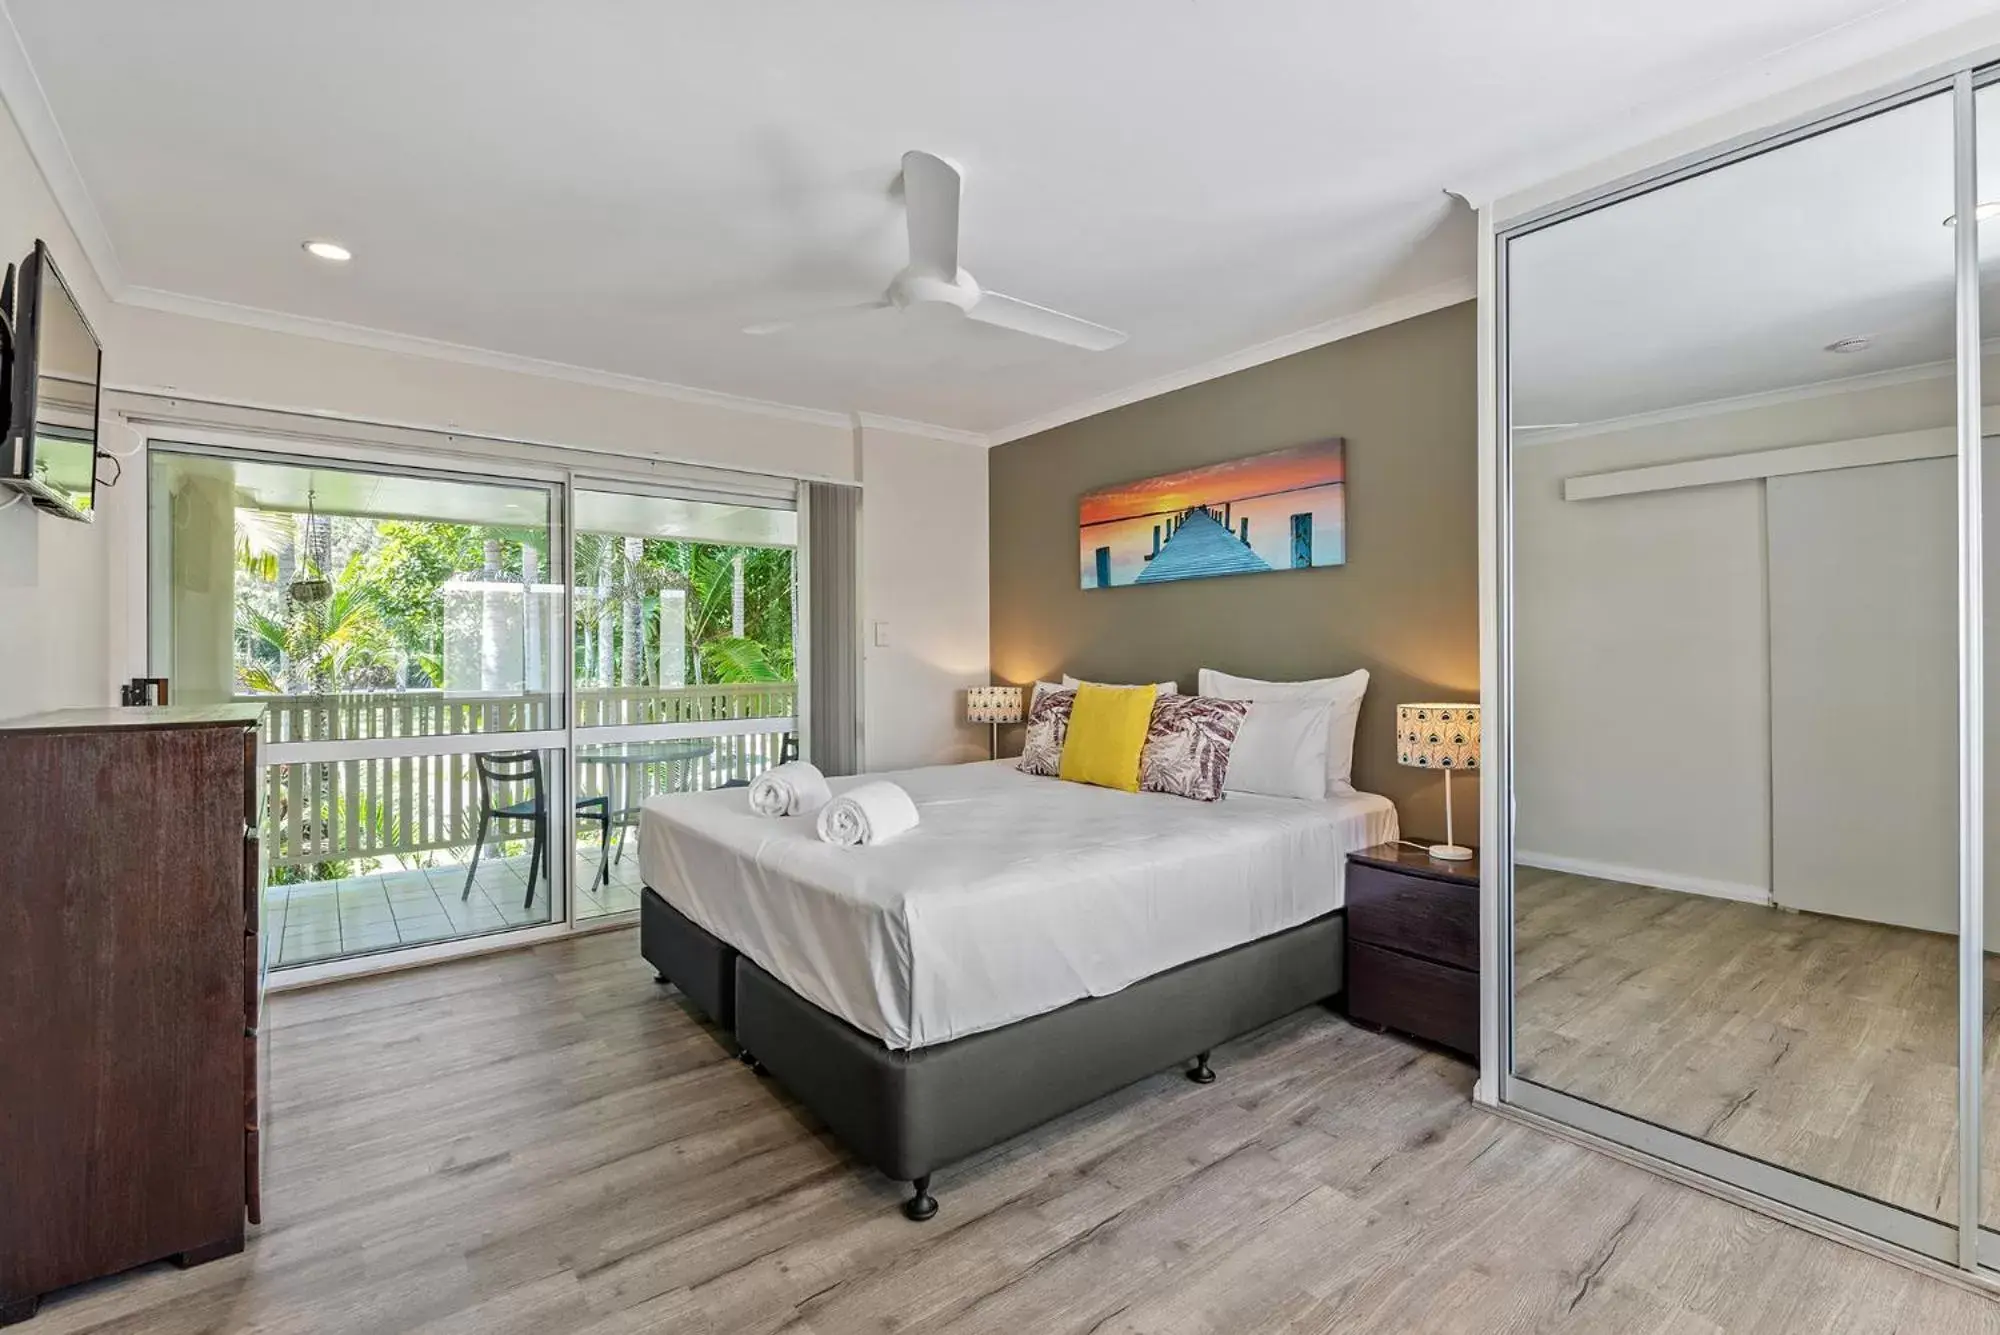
(1414, 914)
(1413, 996)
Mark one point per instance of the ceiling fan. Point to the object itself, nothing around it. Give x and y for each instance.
(931, 191)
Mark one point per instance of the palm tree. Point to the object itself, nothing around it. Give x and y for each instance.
(263, 537)
(614, 606)
(760, 605)
(318, 648)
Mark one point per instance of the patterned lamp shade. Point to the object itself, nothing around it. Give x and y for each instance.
(993, 704)
(1438, 736)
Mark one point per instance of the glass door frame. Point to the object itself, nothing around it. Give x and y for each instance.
(1966, 1250)
(553, 741)
(561, 481)
(578, 481)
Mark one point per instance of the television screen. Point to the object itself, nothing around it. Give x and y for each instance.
(52, 428)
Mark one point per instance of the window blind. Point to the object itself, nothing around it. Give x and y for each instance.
(833, 609)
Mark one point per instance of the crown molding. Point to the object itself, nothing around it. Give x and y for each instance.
(415, 345)
(928, 430)
(1393, 311)
(21, 89)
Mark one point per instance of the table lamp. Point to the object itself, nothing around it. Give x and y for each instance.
(1442, 737)
(993, 705)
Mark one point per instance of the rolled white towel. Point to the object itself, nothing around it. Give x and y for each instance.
(867, 814)
(791, 789)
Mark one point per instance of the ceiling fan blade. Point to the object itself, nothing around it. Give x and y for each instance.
(764, 327)
(931, 191)
(1025, 317)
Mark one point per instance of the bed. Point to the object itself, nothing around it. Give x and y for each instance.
(1030, 946)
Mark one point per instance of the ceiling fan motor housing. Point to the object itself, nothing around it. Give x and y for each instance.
(917, 285)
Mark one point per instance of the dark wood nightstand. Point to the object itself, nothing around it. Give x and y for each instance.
(1413, 944)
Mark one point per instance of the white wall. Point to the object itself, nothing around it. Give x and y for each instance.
(159, 352)
(54, 641)
(1642, 687)
(924, 574)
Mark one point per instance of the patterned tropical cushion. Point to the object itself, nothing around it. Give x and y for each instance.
(1187, 745)
(1048, 726)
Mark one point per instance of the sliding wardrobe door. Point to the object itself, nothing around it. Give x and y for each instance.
(1732, 644)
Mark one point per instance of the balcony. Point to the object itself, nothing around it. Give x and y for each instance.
(371, 853)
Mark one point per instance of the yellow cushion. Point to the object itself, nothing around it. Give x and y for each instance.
(1107, 731)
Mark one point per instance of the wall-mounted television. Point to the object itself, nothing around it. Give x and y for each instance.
(49, 447)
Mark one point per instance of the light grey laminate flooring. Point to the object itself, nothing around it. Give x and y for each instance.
(1826, 1045)
(547, 1142)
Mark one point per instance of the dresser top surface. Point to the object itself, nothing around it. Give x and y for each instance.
(138, 718)
(1417, 862)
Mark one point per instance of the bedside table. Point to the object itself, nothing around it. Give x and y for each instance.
(1413, 944)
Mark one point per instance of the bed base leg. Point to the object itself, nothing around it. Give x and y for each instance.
(663, 980)
(922, 1205)
(749, 1059)
(1203, 1073)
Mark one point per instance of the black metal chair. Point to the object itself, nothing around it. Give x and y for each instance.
(504, 774)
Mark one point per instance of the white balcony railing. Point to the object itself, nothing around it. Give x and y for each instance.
(353, 716)
(342, 811)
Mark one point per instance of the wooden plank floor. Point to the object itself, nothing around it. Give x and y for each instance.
(1826, 1045)
(547, 1142)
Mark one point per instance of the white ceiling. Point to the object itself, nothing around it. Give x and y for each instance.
(1734, 282)
(622, 186)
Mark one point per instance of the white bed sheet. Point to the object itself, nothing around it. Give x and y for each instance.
(1014, 896)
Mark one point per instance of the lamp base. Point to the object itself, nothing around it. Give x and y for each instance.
(1450, 852)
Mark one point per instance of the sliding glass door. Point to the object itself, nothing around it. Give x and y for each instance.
(401, 629)
(1743, 697)
(683, 635)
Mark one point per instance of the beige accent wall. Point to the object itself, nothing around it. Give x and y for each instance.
(1405, 606)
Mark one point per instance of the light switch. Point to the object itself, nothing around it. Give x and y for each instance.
(881, 635)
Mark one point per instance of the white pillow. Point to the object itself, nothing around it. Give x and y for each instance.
(1070, 683)
(1342, 693)
(1281, 750)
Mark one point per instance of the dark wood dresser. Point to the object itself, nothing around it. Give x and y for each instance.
(1413, 944)
(131, 985)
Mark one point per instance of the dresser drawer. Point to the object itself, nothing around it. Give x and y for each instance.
(1438, 920)
(1413, 996)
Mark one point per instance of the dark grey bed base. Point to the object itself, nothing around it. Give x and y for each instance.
(700, 965)
(911, 1113)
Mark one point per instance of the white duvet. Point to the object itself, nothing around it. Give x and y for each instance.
(1013, 896)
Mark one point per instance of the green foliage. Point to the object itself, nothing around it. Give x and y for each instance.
(730, 659)
(383, 628)
(607, 580)
(261, 538)
(340, 644)
(408, 570)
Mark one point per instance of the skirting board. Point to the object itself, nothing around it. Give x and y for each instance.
(1657, 880)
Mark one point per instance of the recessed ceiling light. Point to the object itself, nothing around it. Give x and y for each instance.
(330, 251)
(1854, 343)
(1986, 212)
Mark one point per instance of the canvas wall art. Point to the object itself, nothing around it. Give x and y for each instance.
(1286, 510)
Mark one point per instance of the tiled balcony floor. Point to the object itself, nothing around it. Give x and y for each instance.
(323, 920)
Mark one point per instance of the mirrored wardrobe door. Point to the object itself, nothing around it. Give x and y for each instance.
(1734, 616)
